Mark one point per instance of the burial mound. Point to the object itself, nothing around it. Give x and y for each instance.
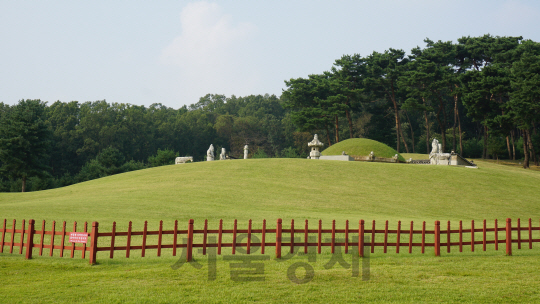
(361, 147)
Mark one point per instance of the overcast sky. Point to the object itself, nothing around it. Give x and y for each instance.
(174, 52)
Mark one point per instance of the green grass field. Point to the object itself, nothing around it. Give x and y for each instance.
(289, 189)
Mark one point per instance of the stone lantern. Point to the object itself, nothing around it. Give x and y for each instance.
(315, 144)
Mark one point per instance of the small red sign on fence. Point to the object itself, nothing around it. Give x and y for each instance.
(78, 237)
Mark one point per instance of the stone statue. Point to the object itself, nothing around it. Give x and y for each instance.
(210, 153)
(371, 156)
(222, 156)
(437, 157)
(435, 146)
(315, 144)
(246, 151)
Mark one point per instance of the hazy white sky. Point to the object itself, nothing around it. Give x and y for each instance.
(174, 52)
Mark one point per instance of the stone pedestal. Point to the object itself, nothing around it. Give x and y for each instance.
(337, 157)
(183, 160)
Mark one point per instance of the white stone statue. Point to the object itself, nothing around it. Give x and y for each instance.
(222, 156)
(210, 153)
(437, 157)
(371, 156)
(246, 151)
(315, 145)
(435, 146)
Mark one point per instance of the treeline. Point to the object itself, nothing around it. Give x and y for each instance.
(482, 93)
(84, 141)
(479, 97)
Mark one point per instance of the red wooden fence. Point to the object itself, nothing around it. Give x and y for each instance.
(31, 232)
(352, 237)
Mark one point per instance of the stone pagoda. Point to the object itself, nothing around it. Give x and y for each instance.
(315, 145)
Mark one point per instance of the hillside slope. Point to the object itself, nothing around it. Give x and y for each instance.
(288, 188)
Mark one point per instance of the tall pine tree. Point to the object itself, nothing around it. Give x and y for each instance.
(24, 141)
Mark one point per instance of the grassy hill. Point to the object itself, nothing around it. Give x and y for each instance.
(361, 147)
(288, 188)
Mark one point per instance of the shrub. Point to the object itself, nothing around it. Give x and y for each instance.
(473, 148)
(497, 147)
(289, 152)
(162, 158)
(132, 166)
(110, 157)
(259, 154)
(91, 170)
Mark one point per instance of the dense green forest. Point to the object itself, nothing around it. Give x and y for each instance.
(480, 97)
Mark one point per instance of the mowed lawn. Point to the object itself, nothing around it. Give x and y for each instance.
(289, 189)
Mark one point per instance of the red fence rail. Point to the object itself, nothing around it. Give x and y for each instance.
(291, 237)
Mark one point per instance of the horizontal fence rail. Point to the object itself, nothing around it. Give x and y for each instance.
(251, 240)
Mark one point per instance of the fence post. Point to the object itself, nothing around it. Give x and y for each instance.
(233, 251)
(472, 235)
(292, 235)
(508, 236)
(220, 237)
(333, 235)
(145, 230)
(437, 238)
(113, 235)
(398, 236)
(94, 237)
(263, 238)
(22, 237)
(190, 241)
(361, 238)
(347, 236)
(518, 232)
(496, 236)
(278, 239)
(2, 240)
(30, 239)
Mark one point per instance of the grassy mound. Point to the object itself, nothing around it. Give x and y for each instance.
(289, 189)
(361, 147)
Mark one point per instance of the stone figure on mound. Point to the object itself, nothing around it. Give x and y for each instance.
(210, 153)
(246, 151)
(222, 156)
